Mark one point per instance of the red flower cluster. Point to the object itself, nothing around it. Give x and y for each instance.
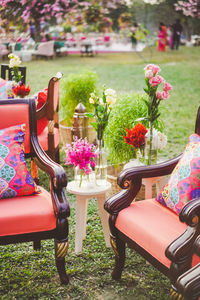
(21, 90)
(136, 135)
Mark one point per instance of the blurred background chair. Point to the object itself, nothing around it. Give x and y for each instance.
(3, 51)
(26, 213)
(45, 49)
(6, 72)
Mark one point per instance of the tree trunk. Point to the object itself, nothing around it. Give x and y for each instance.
(37, 30)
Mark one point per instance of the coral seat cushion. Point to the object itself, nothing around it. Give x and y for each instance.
(27, 214)
(184, 182)
(43, 138)
(151, 226)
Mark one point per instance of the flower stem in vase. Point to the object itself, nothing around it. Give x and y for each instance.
(100, 164)
(150, 144)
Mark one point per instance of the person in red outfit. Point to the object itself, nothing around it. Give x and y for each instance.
(162, 37)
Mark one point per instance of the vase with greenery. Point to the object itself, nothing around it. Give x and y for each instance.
(102, 108)
(154, 97)
(75, 88)
(127, 109)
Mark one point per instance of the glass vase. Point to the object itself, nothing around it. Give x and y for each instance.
(150, 154)
(100, 164)
(81, 178)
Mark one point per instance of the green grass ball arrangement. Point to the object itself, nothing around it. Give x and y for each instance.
(127, 109)
(75, 88)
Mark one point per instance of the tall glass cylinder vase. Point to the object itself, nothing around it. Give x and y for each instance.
(100, 164)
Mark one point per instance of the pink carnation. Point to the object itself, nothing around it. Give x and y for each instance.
(154, 81)
(154, 68)
(165, 95)
(158, 95)
(167, 87)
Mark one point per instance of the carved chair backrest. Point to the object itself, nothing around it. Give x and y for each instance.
(7, 75)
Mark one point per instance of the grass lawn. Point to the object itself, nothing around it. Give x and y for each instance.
(28, 274)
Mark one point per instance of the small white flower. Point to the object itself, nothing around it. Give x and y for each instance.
(110, 92)
(159, 139)
(110, 100)
(91, 100)
(14, 62)
(148, 74)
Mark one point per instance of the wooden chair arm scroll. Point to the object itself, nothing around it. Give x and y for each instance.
(181, 250)
(131, 179)
(188, 283)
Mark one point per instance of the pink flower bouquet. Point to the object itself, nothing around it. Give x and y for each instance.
(81, 154)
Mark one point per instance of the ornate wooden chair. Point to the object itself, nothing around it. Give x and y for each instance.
(49, 137)
(169, 242)
(6, 72)
(27, 214)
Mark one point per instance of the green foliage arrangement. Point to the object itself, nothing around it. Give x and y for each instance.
(127, 109)
(75, 88)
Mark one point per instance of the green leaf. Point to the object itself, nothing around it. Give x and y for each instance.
(89, 115)
(94, 125)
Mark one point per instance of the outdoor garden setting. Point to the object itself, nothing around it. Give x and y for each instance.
(133, 101)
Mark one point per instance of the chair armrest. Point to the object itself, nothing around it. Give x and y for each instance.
(57, 175)
(189, 282)
(131, 179)
(180, 251)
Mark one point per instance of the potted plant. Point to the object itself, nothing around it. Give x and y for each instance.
(74, 88)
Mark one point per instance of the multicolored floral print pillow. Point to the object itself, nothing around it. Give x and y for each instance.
(6, 91)
(184, 182)
(15, 179)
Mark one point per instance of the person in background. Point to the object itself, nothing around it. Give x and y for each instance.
(162, 37)
(177, 29)
(134, 29)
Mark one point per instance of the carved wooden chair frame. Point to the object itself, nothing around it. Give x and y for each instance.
(58, 182)
(184, 279)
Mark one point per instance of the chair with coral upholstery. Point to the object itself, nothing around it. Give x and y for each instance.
(6, 72)
(28, 212)
(47, 119)
(165, 230)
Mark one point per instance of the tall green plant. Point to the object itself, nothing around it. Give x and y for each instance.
(75, 88)
(127, 109)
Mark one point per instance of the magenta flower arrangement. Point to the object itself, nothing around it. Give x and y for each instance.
(81, 154)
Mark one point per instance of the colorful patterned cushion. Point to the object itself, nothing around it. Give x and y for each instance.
(15, 179)
(6, 91)
(184, 182)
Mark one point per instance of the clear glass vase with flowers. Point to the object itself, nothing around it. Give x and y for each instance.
(102, 107)
(81, 154)
(136, 138)
(153, 81)
(19, 89)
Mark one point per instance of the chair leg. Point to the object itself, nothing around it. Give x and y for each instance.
(37, 245)
(119, 249)
(61, 248)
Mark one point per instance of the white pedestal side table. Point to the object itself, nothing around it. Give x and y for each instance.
(82, 196)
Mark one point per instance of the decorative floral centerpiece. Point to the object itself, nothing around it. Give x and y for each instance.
(14, 65)
(19, 89)
(153, 81)
(80, 154)
(102, 107)
(136, 138)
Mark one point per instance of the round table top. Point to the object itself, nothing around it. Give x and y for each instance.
(91, 189)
